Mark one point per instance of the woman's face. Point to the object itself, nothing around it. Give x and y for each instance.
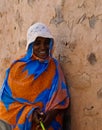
(41, 47)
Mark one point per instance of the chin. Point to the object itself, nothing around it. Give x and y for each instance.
(43, 57)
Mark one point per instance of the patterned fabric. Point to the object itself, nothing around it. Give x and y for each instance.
(31, 83)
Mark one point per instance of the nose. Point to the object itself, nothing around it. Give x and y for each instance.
(42, 45)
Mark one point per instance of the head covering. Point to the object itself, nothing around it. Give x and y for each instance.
(37, 29)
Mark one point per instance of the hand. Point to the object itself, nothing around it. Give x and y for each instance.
(50, 115)
(47, 118)
(37, 116)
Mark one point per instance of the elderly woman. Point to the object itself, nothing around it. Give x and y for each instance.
(34, 94)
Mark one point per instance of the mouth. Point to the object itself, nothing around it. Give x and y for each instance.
(42, 52)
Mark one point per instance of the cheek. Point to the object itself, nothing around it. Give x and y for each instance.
(47, 46)
(35, 48)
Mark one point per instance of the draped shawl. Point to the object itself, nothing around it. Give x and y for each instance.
(31, 83)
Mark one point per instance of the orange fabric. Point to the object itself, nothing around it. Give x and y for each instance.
(23, 86)
(17, 86)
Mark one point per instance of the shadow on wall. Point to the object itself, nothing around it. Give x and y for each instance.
(67, 119)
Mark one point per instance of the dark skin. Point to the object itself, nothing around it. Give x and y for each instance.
(41, 50)
(41, 47)
(46, 118)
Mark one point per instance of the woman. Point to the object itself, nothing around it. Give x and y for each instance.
(34, 94)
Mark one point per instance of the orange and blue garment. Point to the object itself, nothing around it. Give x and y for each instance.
(31, 84)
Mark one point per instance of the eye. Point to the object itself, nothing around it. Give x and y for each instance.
(37, 42)
(47, 42)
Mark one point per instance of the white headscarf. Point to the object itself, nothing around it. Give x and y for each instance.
(36, 30)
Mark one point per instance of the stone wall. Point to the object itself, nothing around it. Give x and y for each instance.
(77, 28)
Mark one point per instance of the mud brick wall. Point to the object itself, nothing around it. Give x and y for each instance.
(77, 28)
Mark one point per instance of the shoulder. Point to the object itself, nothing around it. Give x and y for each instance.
(17, 62)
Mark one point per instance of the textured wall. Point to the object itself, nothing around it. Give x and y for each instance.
(77, 28)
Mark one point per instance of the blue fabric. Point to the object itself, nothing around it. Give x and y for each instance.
(36, 68)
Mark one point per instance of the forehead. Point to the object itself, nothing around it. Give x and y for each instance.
(42, 38)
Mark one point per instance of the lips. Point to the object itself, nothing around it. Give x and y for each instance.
(42, 52)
